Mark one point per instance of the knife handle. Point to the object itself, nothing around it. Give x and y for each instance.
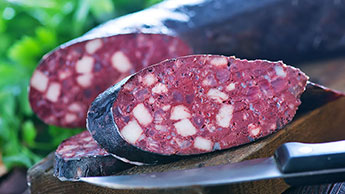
(300, 157)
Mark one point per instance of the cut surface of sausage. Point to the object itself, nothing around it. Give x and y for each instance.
(68, 79)
(196, 104)
(80, 156)
(216, 103)
(80, 145)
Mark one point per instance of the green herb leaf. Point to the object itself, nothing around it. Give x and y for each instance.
(25, 51)
(29, 132)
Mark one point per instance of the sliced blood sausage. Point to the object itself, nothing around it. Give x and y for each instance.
(80, 156)
(193, 105)
(68, 80)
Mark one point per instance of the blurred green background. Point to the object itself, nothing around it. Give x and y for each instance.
(28, 30)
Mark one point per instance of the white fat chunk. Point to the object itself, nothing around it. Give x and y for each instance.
(68, 148)
(69, 118)
(69, 155)
(224, 115)
(88, 145)
(203, 144)
(121, 62)
(280, 71)
(230, 87)
(185, 128)
(128, 87)
(273, 126)
(166, 107)
(131, 132)
(141, 113)
(151, 100)
(158, 118)
(84, 65)
(217, 95)
(159, 88)
(39, 81)
(93, 45)
(84, 80)
(206, 82)
(149, 79)
(219, 61)
(53, 92)
(161, 127)
(253, 130)
(178, 63)
(64, 74)
(75, 107)
(179, 112)
(87, 139)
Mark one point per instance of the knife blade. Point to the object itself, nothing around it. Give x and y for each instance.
(296, 163)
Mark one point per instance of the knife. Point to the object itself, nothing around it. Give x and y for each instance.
(296, 163)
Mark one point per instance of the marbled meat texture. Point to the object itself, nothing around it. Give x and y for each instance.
(67, 80)
(202, 103)
(80, 156)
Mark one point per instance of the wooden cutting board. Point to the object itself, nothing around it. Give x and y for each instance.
(320, 125)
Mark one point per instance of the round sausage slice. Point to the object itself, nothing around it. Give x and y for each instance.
(68, 79)
(194, 105)
(80, 156)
